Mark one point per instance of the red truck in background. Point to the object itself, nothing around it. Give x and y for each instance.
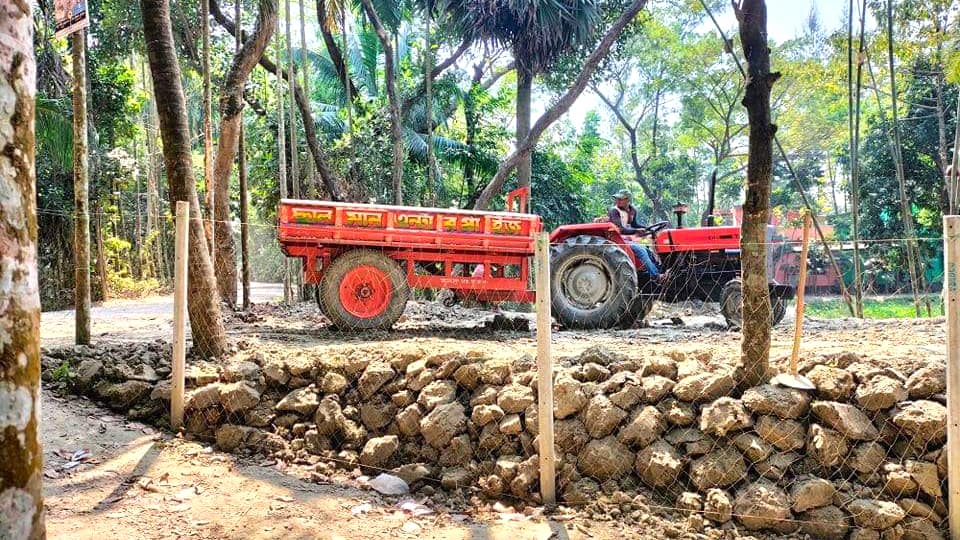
(365, 259)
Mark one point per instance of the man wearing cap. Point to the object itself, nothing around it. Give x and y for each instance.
(624, 216)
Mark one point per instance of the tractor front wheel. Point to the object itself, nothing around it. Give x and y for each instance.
(592, 282)
(363, 289)
(731, 305)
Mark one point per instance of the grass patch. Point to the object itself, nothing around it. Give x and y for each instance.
(883, 307)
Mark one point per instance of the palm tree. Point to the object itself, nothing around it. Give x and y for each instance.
(538, 32)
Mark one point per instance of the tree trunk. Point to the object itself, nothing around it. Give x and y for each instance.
(329, 177)
(81, 228)
(953, 182)
(524, 91)
(291, 76)
(242, 179)
(231, 116)
(428, 91)
(854, 121)
(206, 324)
(339, 58)
(208, 180)
(154, 223)
(560, 106)
(102, 260)
(470, 118)
(755, 347)
(396, 129)
(282, 162)
(21, 456)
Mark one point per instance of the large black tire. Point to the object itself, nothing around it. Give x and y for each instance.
(363, 289)
(637, 311)
(592, 282)
(731, 305)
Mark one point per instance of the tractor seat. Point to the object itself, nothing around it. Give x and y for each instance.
(601, 219)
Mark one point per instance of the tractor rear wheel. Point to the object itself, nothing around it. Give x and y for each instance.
(592, 282)
(731, 305)
(363, 289)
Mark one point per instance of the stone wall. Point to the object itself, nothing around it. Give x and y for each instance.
(861, 457)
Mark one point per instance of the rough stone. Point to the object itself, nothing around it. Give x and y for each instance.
(514, 398)
(378, 450)
(87, 373)
(783, 434)
(442, 424)
(656, 387)
(581, 492)
(927, 382)
(825, 523)
(329, 416)
(456, 477)
(458, 452)
(753, 447)
(593, 372)
(437, 393)
(832, 384)
(408, 420)
(658, 464)
(676, 412)
(724, 415)
(778, 466)
(924, 421)
(916, 528)
(240, 370)
(467, 376)
(827, 446)
(412, 472)
(598, 355)
(333, 383)
(811, 493)
(302, 401)
(777, 401)
(275, 371)
(646, 426)
(722, 468)
(203, 397)
(568, 397)
(511, 425)
(875, 514)
(238, 397)
(847, 419)
(762, 505)
(484, 414)
(602, 416)
(570, 435)
(866, 457)
(495, 371)
(124, 395)
(374, 377)
(880, 392)
(377, 413)
(717, 505)
(925, 475)
(231, 437)
(704, 387)
(604, 459)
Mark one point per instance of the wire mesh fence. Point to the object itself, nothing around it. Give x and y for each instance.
(634, 434)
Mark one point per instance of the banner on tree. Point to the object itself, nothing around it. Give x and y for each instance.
(70, 16)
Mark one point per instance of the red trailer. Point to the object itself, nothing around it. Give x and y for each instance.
(365, 258)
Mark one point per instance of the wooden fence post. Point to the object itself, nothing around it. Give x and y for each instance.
(951, 253)
(548, 489)
(179, 314)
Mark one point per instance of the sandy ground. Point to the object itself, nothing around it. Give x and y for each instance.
(140, 483)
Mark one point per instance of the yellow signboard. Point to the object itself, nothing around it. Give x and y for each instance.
(312, 217)
(414, 221)
(354, 218)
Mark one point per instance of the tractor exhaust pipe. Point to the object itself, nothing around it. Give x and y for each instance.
(708, 217)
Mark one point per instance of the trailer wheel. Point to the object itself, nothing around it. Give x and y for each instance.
(362, 290)
(592, 282)
(636, 312)
(731, 305)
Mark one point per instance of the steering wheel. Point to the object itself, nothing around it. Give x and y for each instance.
(655, 228)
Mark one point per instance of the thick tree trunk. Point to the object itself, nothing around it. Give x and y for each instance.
(560, 107)
(294, 146)
(524, 91)
(21, 456)
(755, 347)
(206, 324)
(329, 177)
(242, 179)
(396, 129)
(81, 222)
(231, 116)
(337, 57)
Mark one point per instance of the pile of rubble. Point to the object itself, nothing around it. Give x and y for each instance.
(860, 457)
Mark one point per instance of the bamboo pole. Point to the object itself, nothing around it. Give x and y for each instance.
(545, 373)
(801, 289)
(951, 248)
(179, 314)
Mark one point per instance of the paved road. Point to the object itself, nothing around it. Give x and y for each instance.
(131, 320)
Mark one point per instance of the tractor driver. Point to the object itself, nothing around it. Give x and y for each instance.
(624, 216)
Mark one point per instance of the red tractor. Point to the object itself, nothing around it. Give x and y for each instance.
(365, 259)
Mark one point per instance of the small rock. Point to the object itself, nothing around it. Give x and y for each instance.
(510, 425)
(514, 398)
(924, 421)
(717, 505)
(328, 417)
(724, 415)
(87, 373)
(676, 412)
(832, 384)
(880, 393)
(825, 523)
(456, 478)
(778, 466)
(442, 424)
(568, 397)
(412, 473)
(722, 468)
(437, 393)
(704, 387)
(203, 397)
(784, 434)
(240, 370)
(408, 420)
(916, 528)
(373, 378)
(604, 459)
(646, 426)
(602, 417)
(333, 383)
(827, 446)
(484, 414)
(656, 387)
(764, 506)
(231, 437)
(927, 382)
(467, 376)
(875, 514)
(658, 464)
(593, 372)
(238, 397)
(378, 451)
(811, 493)
(302, 401)
(753, 447)
(570, 435)
(847, 419)
(777, 401)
